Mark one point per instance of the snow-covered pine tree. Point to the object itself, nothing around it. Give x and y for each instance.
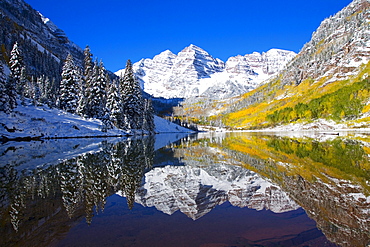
(52, 92)
(87, 82)
(88, 65)
(28, 88)
(4, 97)
(132, 99)
(48, 91)
(97, 98)
(37, 90)
(23, 83)
(14, 82)
(34, 90)
(69, 86)
(114, 104)
(148, 121)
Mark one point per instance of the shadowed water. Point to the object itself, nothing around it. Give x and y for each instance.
(234, 189)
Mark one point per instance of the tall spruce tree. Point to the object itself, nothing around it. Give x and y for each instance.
(97, 97)
(14, 82)
(114, 105)
(23, 83)
(69, 86)
(35, 91)
(48, 90)
(4, 97)
(148, 120)
(132, 99)
(87, 82)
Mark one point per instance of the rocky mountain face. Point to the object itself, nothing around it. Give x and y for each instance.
(44, 45)
(194, 72)
(337, 48)
(332, 67)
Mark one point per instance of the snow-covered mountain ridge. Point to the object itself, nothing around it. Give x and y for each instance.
(44, 46)
(194, 72)
(337, 49)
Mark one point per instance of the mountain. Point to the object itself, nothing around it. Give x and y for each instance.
(194, 72)
(328, 80)
(44, 46)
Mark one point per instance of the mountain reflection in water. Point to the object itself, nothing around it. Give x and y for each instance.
(48, 188)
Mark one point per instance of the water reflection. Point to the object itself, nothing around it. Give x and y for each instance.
(330, 179)
(34, 198)
(206, 180)
(45, 196)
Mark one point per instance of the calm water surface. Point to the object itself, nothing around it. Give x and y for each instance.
(231, 189)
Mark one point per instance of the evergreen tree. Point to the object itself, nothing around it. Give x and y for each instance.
(97, 97)
(16, 65)
(37, 90)
(14, 83)
(87, 82)
(49, 93)
(114, 104)
(34, 90)
(69, 86)
(133, 103)
(28, 89)
(148, 120)
(4, 97)
(88, 65)
(23, 85)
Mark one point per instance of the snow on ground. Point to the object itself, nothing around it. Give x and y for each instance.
(164, 126)
(320, 129)
(42, 121)
(320, 124)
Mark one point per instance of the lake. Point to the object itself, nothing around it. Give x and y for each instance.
(207, 189)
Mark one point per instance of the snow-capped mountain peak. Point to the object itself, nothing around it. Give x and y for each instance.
(194, 72)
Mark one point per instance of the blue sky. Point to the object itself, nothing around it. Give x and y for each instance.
(117, 30)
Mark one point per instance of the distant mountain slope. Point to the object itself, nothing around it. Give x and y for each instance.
(328, 79)
(44, 45)
(194, 72)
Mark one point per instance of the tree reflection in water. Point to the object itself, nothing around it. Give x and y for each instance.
(74, 187)
(329, 178)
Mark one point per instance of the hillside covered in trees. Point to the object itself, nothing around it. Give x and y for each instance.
(88, 92)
